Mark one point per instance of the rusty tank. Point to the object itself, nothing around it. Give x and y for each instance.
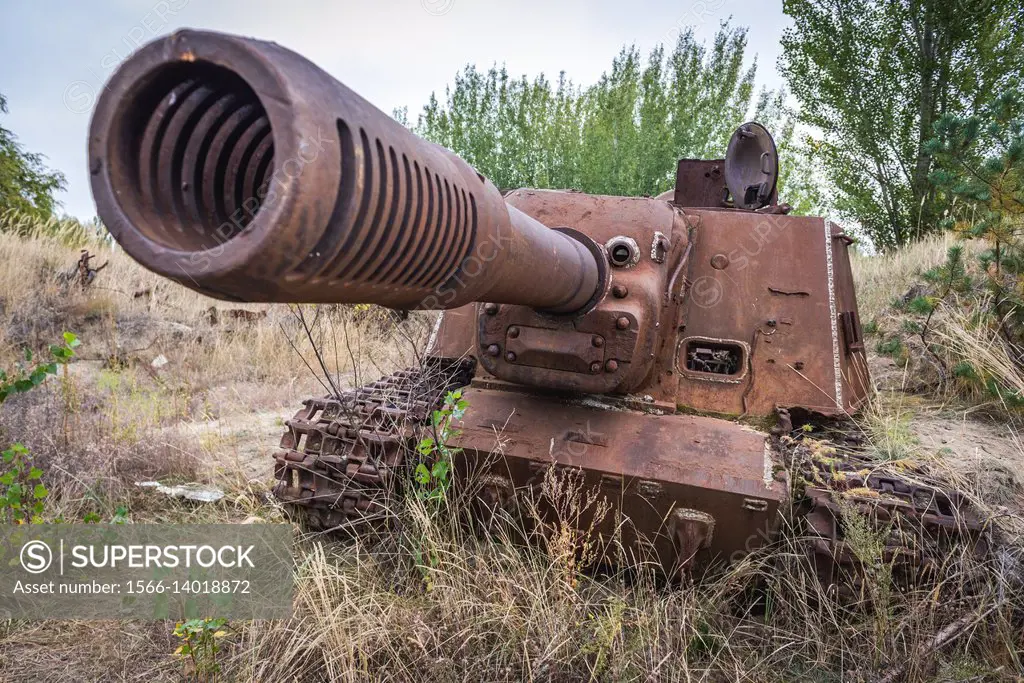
(618, 337)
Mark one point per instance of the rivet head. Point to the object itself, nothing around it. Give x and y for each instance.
(493, 350)
(490, 309)
(719, 261)
(611, 366)
(510, 357)
(513, 332)
(620, 291)
(595, 367)
(622, 323)
(597, 340)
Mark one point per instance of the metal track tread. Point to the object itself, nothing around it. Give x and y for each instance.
(342, 457)
(919, 526)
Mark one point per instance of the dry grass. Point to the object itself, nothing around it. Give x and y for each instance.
(437, 598)
(131, 314)
(954, 356)
(489, 609)
(984, 349)
(881, 278)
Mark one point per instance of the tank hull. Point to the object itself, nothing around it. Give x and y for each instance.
(679, 490)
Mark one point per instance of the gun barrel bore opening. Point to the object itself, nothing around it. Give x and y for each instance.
(193, 156)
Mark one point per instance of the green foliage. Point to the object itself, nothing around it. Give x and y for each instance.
(26, 185)
(870, 327)
(120, 516)
(894, 348)
(22, 492)
(889, 346)
(21, 489)
(200, 646)
(1009, 397)
(980, 169)
(912, 327)
(66, 351)
(704, 644)
(980, 166)
(873, 76)
(947, 279)
(28, 374)
(621, 136)
(433, 473)
(964, 370)
(950, 276)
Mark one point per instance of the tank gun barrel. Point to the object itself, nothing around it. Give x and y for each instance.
(242, 170)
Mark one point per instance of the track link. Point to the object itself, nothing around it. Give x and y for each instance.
(917, 524)
(343, 457)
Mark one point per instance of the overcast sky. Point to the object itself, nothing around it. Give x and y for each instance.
(55, 55)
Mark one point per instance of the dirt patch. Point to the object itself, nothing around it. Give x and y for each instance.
(240, 444)
(989, 455)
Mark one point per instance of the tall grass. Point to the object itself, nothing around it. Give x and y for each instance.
(66, 230)
(439, 595)
(971, 343)
(487, 607)
(135, 315)
(880, 278)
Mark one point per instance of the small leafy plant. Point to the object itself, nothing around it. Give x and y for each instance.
(894, 348)
(433, 473)
(21, 490)
(28, 375)
(121, 516)
(22, 493)
(200, 646)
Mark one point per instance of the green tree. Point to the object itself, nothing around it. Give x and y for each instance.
(871, 78)
(980, 168)
(26, 185)
(610, 137)
(621, 135)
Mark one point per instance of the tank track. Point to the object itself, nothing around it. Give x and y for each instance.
(915, 525)
(343, 458)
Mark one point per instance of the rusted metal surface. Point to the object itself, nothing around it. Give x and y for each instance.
(633, 320)
(86, 271)
(768, 295)
(700, 182)
(242, 170)
(343, 456)
(752, 167)
(691, 489)
(586, 325)
(694, 490)
(853, 362)
(724, 323)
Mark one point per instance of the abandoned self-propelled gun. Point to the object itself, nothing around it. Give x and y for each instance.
(588, 330)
